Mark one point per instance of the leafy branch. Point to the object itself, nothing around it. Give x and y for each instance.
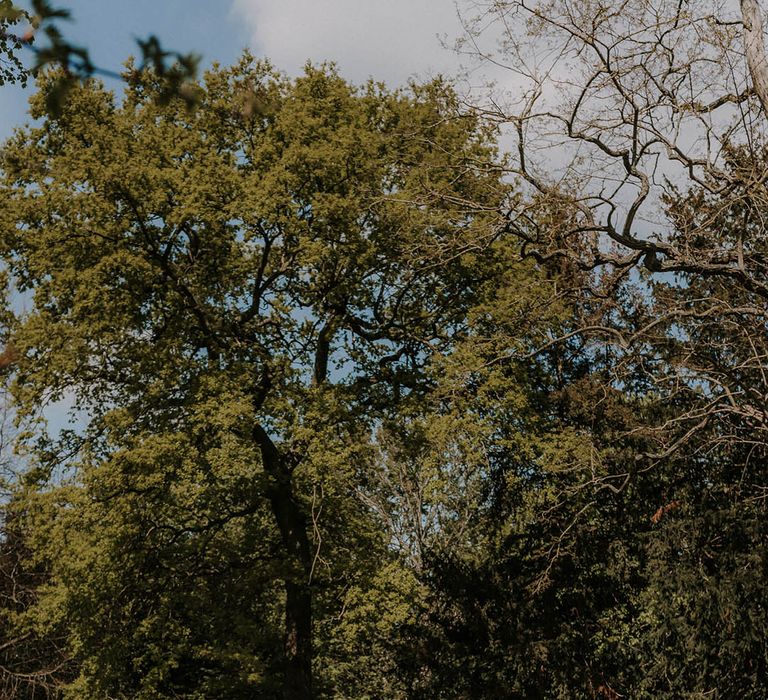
(174, 69)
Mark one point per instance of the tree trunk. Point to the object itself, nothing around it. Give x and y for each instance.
(298, 641)
(292, 524)
(754, 47)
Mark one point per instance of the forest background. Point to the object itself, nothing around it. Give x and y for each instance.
(434, 388)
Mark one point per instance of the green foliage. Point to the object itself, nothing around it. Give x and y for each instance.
(585, 566)
(11, 67)
(236, 297)
(337, 437)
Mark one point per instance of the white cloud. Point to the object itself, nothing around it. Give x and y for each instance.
(389, 40)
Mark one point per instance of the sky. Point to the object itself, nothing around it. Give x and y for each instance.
(388, 40)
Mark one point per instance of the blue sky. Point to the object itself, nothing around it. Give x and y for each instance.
(109, 30)
(389, 40)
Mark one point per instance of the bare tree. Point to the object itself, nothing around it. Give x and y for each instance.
(639, 136)
(610, 101)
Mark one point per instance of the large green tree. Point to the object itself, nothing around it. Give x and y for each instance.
(235, 297)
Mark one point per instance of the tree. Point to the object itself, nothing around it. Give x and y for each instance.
(643, 105)
(582, 557)
(633, 94)
(32, 663)
(235, 296)
(621, 532)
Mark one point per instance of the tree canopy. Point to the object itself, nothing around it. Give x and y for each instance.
(364, 407)
(235, 298)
